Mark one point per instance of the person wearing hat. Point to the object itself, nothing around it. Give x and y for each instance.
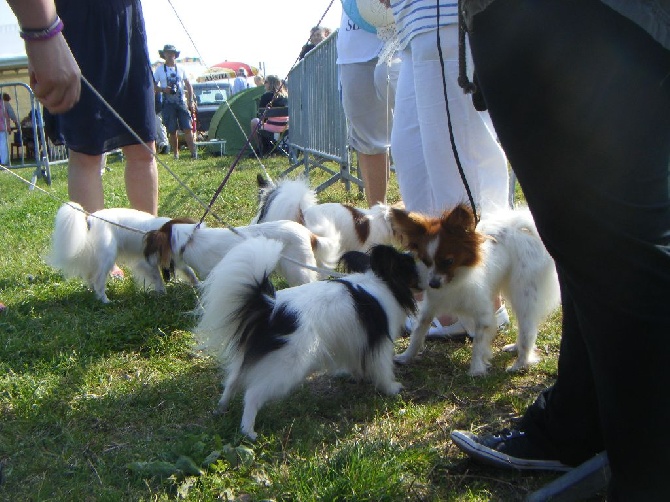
(172, 81)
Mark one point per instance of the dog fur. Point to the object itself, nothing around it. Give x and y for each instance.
(268, 342)
(468, 266)
(359, 228)
(201, 248)
(87, 246)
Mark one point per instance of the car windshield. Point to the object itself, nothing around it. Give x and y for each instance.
(210, 95)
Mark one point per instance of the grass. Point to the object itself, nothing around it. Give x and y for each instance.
(110, 402)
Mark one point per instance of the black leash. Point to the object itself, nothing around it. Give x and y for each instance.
(467, 89)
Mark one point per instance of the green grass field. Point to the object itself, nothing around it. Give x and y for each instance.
(110, 402)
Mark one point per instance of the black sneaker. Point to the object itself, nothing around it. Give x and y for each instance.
(508, 450)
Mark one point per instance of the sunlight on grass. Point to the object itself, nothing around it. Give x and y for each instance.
(110, 402)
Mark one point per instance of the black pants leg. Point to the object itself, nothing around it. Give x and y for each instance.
(580, 98)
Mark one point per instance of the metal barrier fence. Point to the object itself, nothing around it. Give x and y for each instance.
(318, 127)
(28, 145)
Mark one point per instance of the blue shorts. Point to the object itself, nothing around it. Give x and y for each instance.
(175, 116)
(109, 42)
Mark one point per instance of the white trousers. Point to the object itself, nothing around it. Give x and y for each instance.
(425, 165)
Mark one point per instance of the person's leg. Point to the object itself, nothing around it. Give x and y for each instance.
(161, 135)
(580, 98)
(253, 138)
(4, 148)
(141, 177)
(406, 148)
(188, 137)
(374, 171)
(184, 125)
(174, 143)
(170, 121)
(370, 119)
(84, 182)
(480, 155)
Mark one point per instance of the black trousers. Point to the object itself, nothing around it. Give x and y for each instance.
(580, 98)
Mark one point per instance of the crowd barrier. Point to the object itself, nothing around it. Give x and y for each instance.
(318, 127)
(28, 145)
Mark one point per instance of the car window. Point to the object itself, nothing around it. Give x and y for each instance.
(210, 96)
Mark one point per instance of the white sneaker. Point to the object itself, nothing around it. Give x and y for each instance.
(455, 330)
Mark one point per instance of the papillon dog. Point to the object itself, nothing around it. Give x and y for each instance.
(87, 246)
(268, 342)
(359, 228)
(467, 266)
(201, 248)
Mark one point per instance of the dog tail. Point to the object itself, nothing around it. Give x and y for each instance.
(70, 249)
(326, 244)
(531, 258)
(238, 297)
(286, 200)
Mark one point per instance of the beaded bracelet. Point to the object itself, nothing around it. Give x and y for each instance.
(43, 34)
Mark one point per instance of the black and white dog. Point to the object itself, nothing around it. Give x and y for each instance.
(268, 342)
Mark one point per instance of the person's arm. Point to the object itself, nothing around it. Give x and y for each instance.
(55, 77)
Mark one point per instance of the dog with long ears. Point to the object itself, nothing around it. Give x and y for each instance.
(87, 246)
(359, 228)
(468, 266)
(268, 342)
(201, 248)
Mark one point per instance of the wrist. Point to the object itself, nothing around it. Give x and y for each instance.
(41, 34)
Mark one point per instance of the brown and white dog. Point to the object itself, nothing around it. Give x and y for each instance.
(359, 229)
(87, 246)
(200, 247)
(467, 266)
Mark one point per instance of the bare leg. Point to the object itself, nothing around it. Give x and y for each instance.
(174, 143)
(188, 136)
(84, 182)
(375, 174)
(141, 177)
(253, 139)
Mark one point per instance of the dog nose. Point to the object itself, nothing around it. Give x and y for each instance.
(435, 283)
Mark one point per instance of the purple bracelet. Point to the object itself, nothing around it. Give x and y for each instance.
(44, 34)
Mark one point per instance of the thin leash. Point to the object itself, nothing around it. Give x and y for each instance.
(62, 202)
(467, 89)
(140, 141)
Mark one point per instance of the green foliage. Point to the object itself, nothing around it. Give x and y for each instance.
(110, 402)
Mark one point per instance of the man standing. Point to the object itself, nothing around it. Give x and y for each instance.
(240, 83)
(177, 99)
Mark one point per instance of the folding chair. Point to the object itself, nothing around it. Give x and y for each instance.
(273, 132)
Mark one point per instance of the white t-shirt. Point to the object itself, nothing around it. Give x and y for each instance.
(354, 44)
(173, 74)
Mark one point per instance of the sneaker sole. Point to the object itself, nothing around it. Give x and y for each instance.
(498, 459)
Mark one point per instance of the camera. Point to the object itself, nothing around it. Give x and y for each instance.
(173, 88)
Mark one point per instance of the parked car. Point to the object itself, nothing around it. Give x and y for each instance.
(208, 97)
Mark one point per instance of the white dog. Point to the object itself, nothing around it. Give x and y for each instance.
(269, 342)
(87, 246)
(359, 228)
(200, 247)
(467, 268)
